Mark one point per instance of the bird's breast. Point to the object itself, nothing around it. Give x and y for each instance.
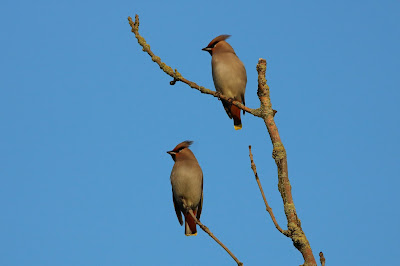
(229, 75)
(186, 181)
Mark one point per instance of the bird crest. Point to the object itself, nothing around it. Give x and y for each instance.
(217, 40)
(182, 145)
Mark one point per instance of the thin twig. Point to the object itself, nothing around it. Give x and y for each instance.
(322, 258)
(205, 229)
(269, 210)
(177, 76)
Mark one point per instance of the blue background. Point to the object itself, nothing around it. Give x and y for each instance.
(86, 118)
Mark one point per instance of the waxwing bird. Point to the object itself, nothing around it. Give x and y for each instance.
(229, 75)
(187, 185)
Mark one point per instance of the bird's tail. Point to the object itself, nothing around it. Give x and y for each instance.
(190, 224)
(237, 122)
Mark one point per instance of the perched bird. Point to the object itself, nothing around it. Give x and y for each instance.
(187, 185)
(229, 75)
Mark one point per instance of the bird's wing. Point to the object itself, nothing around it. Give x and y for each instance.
(177, 210)
(200, 207)
(244, 103)
(227, 107)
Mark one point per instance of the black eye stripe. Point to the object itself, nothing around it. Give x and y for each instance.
(213, 45)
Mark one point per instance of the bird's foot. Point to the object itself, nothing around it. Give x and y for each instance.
(218, 95)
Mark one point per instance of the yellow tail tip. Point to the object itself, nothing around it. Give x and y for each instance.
(237, 127)
(195, 234)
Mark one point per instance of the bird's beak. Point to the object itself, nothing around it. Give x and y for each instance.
(171, 152)
(206, 49)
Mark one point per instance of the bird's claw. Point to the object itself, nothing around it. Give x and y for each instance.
(218, 95)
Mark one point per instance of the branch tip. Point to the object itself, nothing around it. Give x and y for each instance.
(322, 258)
(268, 208)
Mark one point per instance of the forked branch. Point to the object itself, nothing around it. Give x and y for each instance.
(265, 111)
(295, 232)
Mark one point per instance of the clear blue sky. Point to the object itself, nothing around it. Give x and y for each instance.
(86, 118)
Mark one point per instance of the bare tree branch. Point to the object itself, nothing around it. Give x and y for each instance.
(294, 231)
(178, 77)
(205, 229)
(269, 210)
(322, 258)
